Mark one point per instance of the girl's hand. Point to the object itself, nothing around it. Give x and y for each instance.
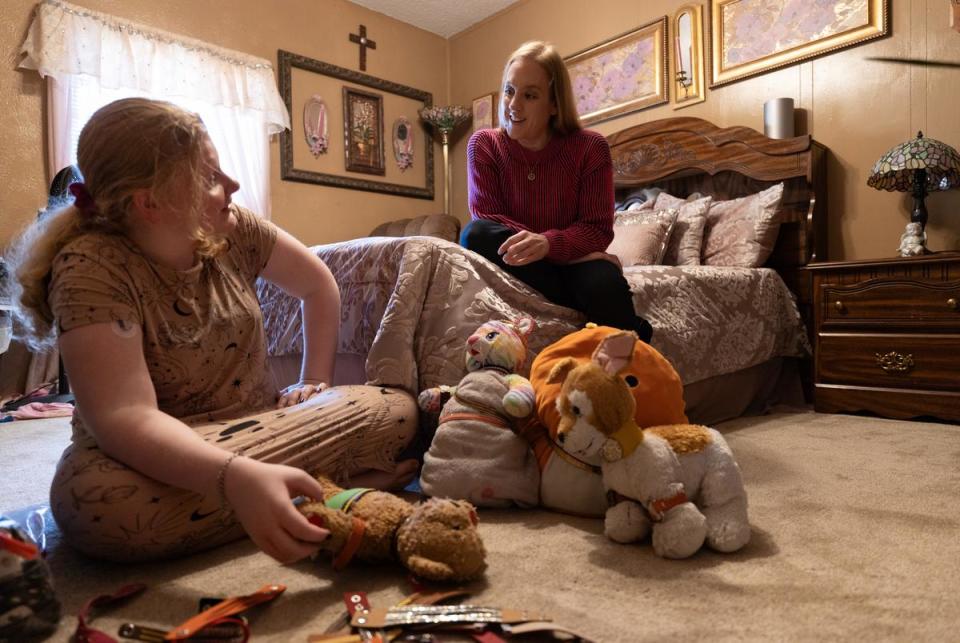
(261, 496)
(524, 248)
(300, 392)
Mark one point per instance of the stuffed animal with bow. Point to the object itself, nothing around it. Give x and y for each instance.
(436, 540)
(476, 453)
(679, 481)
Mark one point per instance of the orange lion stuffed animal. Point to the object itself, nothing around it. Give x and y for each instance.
(567, 483)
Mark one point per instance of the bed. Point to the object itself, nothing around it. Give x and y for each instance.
(735, 335)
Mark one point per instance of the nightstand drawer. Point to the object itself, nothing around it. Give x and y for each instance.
(880, 303)
(890, 360)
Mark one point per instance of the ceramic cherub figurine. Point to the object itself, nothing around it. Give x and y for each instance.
(476, 453)
(679, 481)
(436, 540)
(913, 241)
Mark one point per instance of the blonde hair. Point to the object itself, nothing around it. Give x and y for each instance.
(127, 146)
(566, 120)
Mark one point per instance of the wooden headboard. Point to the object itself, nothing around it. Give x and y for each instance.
(686, 155)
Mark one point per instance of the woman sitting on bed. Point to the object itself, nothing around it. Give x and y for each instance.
(180, 441)
(541, 194)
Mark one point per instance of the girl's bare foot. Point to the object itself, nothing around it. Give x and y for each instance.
(400, 477)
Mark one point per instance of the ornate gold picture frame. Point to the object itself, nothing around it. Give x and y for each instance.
(484, 110)
(621, 75)
(750, 37)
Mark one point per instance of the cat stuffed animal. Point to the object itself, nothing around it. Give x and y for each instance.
(679, 481)
(476, 453)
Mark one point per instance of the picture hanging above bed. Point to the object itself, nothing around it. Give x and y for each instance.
(750, 37)
(621, 75)
(355, 159)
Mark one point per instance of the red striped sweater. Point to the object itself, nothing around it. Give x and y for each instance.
(570, 200)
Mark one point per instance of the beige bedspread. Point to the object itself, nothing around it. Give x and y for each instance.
(408, 305)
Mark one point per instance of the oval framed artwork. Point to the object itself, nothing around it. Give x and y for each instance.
(315, 125)
(403, 143)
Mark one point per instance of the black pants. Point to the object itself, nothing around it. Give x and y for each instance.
(595, 288)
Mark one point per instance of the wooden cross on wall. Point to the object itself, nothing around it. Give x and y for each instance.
(364, 42)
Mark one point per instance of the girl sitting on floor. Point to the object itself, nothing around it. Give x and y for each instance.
(180, 441)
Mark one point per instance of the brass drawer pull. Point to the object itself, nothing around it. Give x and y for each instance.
(839, 306)
(952, 303)
(894, 362)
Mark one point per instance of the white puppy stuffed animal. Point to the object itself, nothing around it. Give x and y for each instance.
(682, 477)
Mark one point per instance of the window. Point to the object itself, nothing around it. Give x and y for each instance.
(92, 58)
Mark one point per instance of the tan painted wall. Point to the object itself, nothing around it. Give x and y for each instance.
(857, 108)
(315, 28)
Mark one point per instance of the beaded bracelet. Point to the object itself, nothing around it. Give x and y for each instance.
(222, 481)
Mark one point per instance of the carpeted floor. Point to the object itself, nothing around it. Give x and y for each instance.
(855, 537)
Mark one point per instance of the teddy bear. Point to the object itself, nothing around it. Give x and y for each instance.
(679, 481)
(568, 483)
(477, 453)
(436, 540)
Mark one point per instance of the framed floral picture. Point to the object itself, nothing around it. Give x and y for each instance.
(750, 37)
(621, 75)
(363, 131)
(484, 112)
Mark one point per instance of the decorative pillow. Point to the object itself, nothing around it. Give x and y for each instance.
(686, 242)
(742, 232)
(640, 236)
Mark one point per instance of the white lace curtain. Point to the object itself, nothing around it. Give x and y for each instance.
(91, 58)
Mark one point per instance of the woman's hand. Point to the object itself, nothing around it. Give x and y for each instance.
(300, 392)
(524, 248)
(261, 496)
(595, 256)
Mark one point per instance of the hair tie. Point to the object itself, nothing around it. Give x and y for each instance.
(82, 199)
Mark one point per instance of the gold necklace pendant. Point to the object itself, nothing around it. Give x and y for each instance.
(531, 176)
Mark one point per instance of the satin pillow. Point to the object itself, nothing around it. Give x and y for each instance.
(640, 237)
(742, 232)
(686, 241)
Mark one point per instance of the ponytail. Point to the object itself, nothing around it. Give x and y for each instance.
(30, 260)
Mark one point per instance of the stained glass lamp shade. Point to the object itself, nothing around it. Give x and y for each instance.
(921, 165)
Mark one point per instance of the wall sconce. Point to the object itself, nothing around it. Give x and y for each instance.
(688, 56)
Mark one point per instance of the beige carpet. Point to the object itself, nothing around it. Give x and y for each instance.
(855, 537)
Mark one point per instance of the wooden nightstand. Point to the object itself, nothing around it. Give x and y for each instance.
(887, 336)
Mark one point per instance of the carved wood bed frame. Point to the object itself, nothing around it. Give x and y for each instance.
(685, 155)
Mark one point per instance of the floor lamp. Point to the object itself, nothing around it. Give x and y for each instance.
(445, 120)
